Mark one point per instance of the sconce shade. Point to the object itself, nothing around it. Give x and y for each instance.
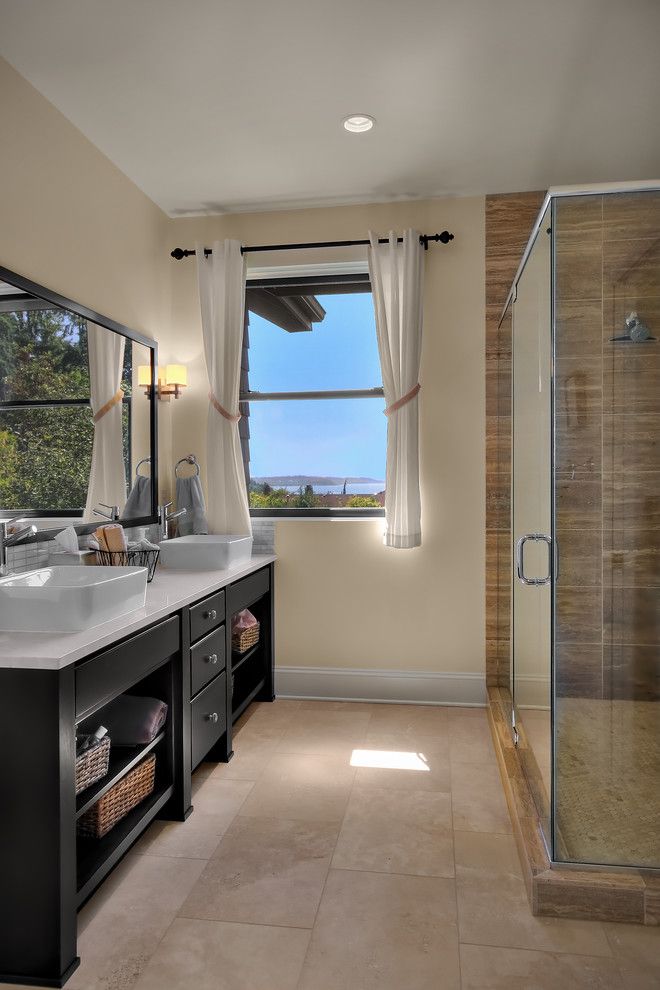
(176, 374)
(144, 374)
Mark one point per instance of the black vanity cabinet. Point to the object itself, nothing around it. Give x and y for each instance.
(222, 682)
(46, 870)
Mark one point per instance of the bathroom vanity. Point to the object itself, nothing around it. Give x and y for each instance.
(178, 649)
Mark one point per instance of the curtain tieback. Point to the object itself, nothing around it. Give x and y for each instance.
(221, 409)
(403, 400)
(117, 397)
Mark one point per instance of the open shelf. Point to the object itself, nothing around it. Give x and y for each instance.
(237, 712)
(238, 659)
(122, 759)
(96, 857)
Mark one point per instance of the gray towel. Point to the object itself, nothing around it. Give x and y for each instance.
(189, 496)
(138, 503)
(132, 720)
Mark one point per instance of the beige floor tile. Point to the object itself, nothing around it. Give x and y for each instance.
(123, 932)
(252, 755)
(266, 872)
(268, 716)
(470, 739)
(637, 951)
(338, 706)
(478, 799)
(488, 968)
(403, 760)
(378, 932)
(493, 908)
(216, 955)
(390, 831)
(301, 788)
(427, 720)
(217, 801)
(189, 840)
(325, 733)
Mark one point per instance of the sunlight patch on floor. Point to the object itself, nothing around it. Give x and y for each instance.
(386, 759)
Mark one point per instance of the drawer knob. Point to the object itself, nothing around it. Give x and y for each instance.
(212, 614)
(213, 717)
(212, 658)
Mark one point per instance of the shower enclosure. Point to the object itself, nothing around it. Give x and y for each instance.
(584, 315)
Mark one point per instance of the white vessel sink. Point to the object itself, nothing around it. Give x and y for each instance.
(205, 553)
(68, 599)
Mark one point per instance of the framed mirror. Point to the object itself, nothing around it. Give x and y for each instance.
(78, 420)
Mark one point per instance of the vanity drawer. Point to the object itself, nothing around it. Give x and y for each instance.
(208, 717)
(207, 615)
(247, 591)
(110, 673)
(207, 659)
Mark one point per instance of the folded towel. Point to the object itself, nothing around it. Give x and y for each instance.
(115, 537)
(138, 503)
(189, 496)
(134, 721)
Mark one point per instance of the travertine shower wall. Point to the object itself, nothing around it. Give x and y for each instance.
(509, 220)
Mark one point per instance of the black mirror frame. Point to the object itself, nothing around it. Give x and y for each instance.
(48, 295)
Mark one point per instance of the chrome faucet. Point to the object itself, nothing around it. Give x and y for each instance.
(9, 540)
(112, 515)
(164, 519)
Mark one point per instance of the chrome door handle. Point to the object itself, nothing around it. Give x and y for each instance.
(520, 559)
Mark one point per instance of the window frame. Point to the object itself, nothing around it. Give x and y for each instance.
(308, 277)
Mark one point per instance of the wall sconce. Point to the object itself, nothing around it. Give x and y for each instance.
(171, 379)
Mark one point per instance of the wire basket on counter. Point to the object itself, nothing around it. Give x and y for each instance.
(130, 558)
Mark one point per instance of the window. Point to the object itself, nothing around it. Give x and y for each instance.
(46, 425)
(313, 431)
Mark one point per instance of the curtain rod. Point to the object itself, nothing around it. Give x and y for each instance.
(445, 237)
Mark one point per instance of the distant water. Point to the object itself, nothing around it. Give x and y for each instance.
(365, 489)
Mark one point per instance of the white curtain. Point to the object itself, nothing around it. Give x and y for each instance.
(397, 275)
(221, 279)
(107, 477)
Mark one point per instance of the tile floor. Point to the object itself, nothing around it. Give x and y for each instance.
(345, 847)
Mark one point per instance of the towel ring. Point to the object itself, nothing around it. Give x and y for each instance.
(145, 460)
(190, 459)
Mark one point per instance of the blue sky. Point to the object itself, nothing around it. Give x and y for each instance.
(340, 437)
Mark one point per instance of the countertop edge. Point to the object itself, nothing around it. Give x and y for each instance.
(48, 651)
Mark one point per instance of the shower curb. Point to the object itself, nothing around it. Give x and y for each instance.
(563, 891)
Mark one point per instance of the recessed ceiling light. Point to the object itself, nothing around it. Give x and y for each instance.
(357, 123)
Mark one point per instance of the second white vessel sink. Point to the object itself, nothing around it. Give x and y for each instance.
(68, 599)
(205, 553)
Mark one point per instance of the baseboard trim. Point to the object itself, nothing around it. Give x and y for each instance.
(420, 687)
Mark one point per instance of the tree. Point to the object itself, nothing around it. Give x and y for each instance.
(363, 502)
(46, 451)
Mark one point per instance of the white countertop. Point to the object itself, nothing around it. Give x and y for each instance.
(169, 591)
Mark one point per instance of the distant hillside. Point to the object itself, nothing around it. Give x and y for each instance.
(310, 479)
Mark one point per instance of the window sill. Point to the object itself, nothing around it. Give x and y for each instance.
(317, 515)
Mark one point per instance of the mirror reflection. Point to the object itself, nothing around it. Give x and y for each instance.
(75, 422)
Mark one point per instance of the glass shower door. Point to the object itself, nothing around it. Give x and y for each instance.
(531, 491)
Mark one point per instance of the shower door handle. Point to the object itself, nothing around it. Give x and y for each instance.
(520, 559)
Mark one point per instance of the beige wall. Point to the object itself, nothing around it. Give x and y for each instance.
(72, 221)
(344, 600)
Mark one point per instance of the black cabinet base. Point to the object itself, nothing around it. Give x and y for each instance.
(43, 981)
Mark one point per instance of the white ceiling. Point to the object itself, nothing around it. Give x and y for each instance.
(232, 105)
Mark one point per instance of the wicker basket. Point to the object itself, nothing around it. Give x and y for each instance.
(92, 764)
(242, 641)
(119, 800)
(130, 558)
